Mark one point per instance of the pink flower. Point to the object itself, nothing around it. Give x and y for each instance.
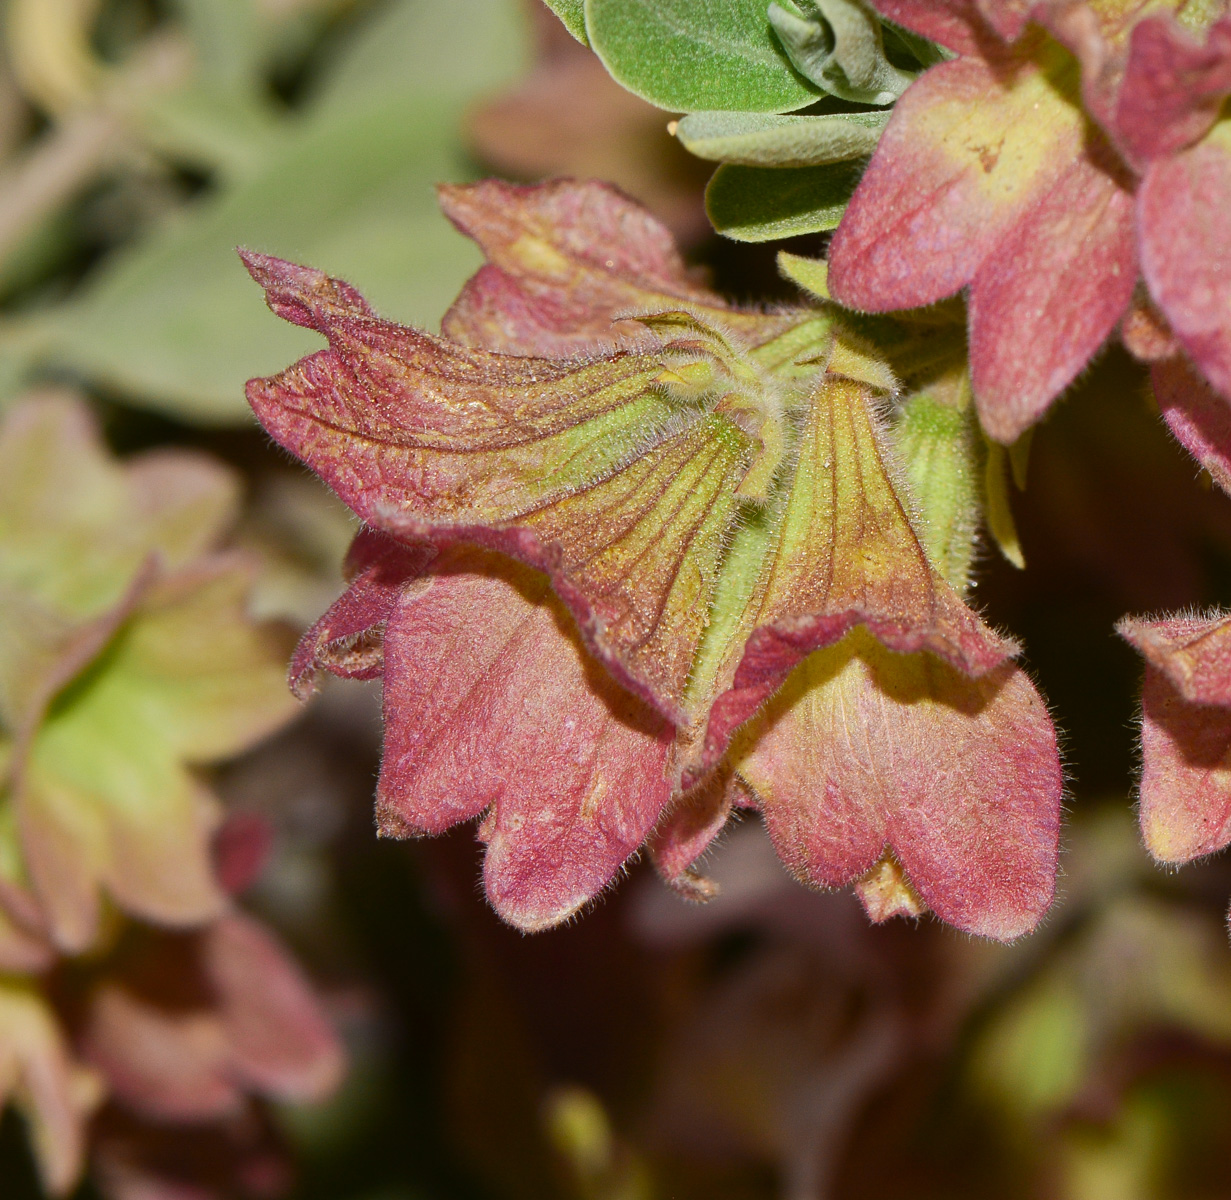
(609, 517)
(1067, 151)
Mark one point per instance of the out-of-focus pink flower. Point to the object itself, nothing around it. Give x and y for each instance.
(198, 1022)
(55, 1092)
(127, 660)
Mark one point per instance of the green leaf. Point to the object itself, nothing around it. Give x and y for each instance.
(942, 456)
(227, 39)
(427, 52)
(687, 56)
(572, 14)
(906, 41)
(761, 204)
(769, 140)
(173, 325)
(809, 274)
(838, 45)
(1000, 523)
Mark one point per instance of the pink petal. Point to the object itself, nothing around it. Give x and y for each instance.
(564, 258)
(242, 847)
(346, 640)
(279, 1041)
(1185, 781)
(848, 556)
(592, 224)
(490, 703)
(1197, 415)
(160, 1063)
(953, 23)
(1173, 87)
(1048, 296)
(971, 148)
(1098, 36)
(1145, 332)
(864, 751)
(689, 829)
(201, 1020)
(25, 946)
(1007, 17)
(494, 311)
(1184, 227)
(1194, 653)
(434, 441)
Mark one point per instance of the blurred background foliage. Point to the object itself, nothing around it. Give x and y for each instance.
(769, 1045)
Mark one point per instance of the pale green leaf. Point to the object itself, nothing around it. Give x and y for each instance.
(810, 274)
(770, 140)
(572, 14)
(761, 204)
(1000, 523)
(174, 324)
(837, 44)
(941, 454)
(692, 55)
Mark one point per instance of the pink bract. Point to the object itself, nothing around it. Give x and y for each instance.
(580, 701)
(1069, 150)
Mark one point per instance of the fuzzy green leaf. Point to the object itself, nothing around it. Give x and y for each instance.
(838, 45)
(572, 14)
(770, 140)
(941, 453)
(762, 204)
(686, 56)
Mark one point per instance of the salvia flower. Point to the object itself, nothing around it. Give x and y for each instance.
(1068, 152)
(608, 517)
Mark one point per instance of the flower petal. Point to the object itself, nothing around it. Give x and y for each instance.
(1097, 33)
(972, 146)
(79, 526)
(346, 641)
(106, 797)
(1196, 414)
(590, 473)
(1194, 653)
(56, 1095)
(280, 1043)
(864, 750)
(1185, 779)
(1184, 227)
(953, 23)
(710, 509)
(163, 1064)
(1008, 18)
(491, 703)
(689, 829)
(1049, 295)
(845, 555)
(563, 259)
(1173, 87)
(190, 1024)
